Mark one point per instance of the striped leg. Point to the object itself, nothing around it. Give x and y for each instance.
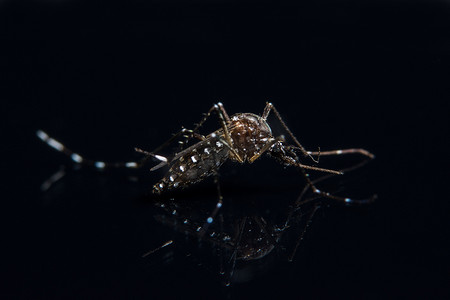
(224, 119)
(343, 152)
(312, 184)
(77, 158)
(54, 178)
(216, 209)
(302, 233)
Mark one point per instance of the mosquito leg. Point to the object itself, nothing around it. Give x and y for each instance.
(333, 197)
(233, 257)
(300, 202)
(302, 234)
(266, 147)
(342, 152)
(220, 250)
(54, 178)
(77, 158)
(311, 184)
(269, 107)
(351, 168)
(186, 133)
(169, 242)
(224, 112)
(224, 119)
(263, 227)
(219, 204)
(219, 109)
(318, 169)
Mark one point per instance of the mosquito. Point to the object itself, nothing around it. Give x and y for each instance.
(242, 138)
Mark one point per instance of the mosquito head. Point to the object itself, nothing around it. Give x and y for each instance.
(283, 152)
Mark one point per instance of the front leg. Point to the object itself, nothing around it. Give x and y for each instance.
(266, 147)
(343, 151)
(224, 120)
(269, 107)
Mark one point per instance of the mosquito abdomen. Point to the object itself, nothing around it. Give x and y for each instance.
(194, 164)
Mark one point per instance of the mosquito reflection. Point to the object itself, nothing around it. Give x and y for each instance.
(242, 242)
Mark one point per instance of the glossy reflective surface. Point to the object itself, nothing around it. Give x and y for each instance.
(106, 79)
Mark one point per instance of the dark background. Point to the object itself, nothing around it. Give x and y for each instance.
(106, 77)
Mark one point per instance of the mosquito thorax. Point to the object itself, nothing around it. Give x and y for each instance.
(249, 133)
